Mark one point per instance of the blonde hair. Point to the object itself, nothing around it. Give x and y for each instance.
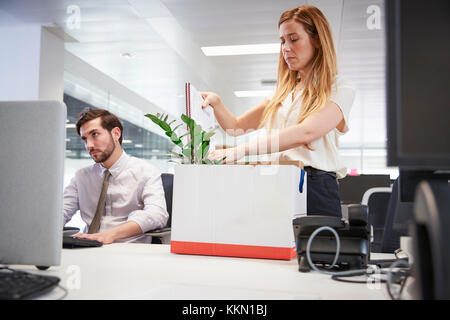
(319, 81)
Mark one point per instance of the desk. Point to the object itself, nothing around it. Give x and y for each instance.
(144, 271)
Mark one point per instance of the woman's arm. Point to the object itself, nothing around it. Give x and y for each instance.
(229, 123)
(312, 128)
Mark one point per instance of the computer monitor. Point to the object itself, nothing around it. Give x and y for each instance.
(352, 188)
(32, 144)
(418, 95)
(418, 84)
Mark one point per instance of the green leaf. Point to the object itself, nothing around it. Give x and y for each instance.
(165, 126)
(152, 117)
(186, 153)
(197, 129)
(196, 149)
(174, 129)
(184, 135)
(190, 123)
(178, 155)
(159, 122)
(198, 156)
(169, 134)
(208, 136)
(197, 142)
(190, 144)
(174, 137)
(205, 148)
(220, 161)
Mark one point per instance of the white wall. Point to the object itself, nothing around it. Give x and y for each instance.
(19, 64)
(33, 66)
(51, 68)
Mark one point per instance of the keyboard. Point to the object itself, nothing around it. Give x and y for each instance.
(72, 242)
(16, 285)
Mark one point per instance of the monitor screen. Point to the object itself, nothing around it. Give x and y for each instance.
(32, 144)
(352, 188)
(418, 84)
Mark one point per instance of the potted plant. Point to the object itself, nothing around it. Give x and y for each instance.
(195, 147)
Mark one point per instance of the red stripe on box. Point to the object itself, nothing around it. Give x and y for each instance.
(232, 250)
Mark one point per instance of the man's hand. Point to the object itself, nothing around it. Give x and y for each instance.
(124, 230)
(104, 237)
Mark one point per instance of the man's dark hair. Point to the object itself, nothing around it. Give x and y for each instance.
(108, 122)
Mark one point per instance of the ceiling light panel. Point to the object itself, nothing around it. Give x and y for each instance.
(265, 48)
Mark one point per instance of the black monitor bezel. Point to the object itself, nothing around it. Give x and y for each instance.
(395, 157)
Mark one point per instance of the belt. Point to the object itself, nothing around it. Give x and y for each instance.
(314, 171)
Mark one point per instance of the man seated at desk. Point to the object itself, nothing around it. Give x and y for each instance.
(120, 196)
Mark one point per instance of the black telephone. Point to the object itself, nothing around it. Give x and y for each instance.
(354, 237)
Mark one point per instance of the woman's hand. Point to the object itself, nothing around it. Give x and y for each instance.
(230, 154)
(210, 98)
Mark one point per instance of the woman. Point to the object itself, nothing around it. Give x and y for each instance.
(310, 108)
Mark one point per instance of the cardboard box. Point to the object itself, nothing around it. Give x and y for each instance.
(237, 210)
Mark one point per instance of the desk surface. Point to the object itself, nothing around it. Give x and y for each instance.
(144, 271)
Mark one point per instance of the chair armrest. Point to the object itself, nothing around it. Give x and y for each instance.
(158, 232)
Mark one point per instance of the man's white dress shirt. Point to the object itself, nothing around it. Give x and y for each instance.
(135, 193)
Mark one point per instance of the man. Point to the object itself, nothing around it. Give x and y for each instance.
(119, 197)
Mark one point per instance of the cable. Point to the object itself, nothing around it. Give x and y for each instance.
(404, 274)
(338, 248)
(66, 292)
(308, 247)
(360, 272)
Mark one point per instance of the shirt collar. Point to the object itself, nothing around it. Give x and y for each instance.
(117, 167)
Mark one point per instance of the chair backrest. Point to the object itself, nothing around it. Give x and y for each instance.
(167, 181)
(377, 199)
(352, 188)
(397, 220)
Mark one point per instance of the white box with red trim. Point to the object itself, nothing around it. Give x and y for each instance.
(237, 210)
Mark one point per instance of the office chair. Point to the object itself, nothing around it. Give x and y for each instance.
(160, 236)
(397, 221)
(377, 199)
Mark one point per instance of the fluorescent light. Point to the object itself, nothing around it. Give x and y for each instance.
(253, 93)
(138, 145)
(71, 126)
(242, 49)
(127, 141)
